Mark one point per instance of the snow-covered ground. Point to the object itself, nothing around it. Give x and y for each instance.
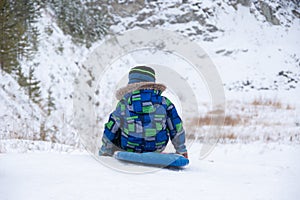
(258, 63)
(239, 171)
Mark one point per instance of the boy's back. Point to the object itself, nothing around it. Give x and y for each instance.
(143, 120)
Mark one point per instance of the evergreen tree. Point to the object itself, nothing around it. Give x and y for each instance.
(85, 21)
(33, 86)
(29, 83)
(21, 78)
(18, 41)
(50, 102)
(11, 35)
(18, 35)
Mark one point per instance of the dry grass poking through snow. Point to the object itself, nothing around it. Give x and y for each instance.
(272, 103)
(260, 120)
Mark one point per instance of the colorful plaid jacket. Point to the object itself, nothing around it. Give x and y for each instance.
(143, 121)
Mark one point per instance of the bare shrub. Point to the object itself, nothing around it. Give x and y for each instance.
(208, 120)
(267, 102)
(289, 107)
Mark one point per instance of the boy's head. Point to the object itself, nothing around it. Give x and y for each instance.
(141, 74)
(140, 77)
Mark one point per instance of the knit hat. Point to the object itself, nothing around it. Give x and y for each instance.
(140, 77)
(141, 74)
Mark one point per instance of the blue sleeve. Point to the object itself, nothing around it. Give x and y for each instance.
(176, 130)
(111, 132)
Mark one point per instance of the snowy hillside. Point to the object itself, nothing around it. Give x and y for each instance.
(254, 45)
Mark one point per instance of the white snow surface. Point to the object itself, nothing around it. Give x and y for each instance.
(231, 171)
(244, 48)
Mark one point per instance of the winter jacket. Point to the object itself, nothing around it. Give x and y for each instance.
(143, 121)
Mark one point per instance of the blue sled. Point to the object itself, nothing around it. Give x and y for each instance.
(152, 158)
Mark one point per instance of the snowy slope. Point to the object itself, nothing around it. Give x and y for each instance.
(18, 113)
(256, 53)
(254, 171)
(239, 39)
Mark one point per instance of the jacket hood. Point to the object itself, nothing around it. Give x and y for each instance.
(139, 86)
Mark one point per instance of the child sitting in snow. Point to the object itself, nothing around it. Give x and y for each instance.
(143, 120)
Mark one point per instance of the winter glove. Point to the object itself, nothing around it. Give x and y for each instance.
(103, 152)
(184, 154)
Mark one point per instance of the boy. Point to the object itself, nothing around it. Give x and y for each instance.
(143, 120)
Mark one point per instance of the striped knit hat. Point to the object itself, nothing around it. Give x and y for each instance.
(140, 77)
(141, 74)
